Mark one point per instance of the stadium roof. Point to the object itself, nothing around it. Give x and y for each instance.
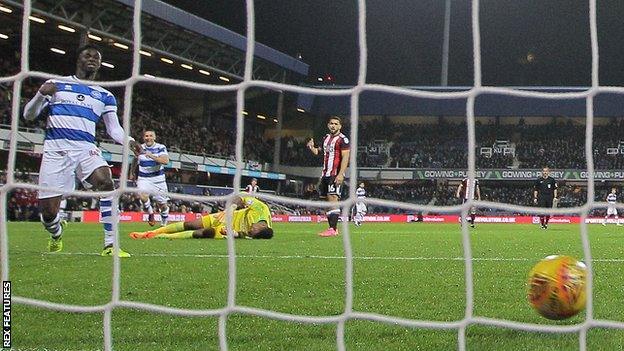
(210, 30)
(383, 103)
(171, 32)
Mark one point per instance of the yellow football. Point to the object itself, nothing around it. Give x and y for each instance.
(556, 287)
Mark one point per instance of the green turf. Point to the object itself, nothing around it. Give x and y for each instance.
(300, 273)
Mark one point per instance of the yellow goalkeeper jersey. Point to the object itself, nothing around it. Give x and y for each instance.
(242, 220)
(255, 212)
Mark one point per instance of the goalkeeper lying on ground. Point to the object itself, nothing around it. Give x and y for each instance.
(252, 221)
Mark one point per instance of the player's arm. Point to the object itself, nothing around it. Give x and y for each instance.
(237, 204)
(344, 163)
(535, 191)
(34, 107)
(115, 131)
(315, 150)
(162, 159)
(535, 196)
(133, 169)
(478, 189)
(459, 189)
(555, 191)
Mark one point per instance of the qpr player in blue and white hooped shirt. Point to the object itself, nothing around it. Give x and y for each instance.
(360, 207)
(69, 149)
(151, 178)
(611, 209)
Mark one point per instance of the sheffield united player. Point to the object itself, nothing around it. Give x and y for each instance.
(467, 191)
(335, 162)
(544, 192)
(252, 187)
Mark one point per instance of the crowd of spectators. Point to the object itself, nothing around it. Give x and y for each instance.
(437, 145)
(184, 134)
(22, 205)
(188, 134)
(558, 145)
(294, 152)
(444, 145)
(444, 194)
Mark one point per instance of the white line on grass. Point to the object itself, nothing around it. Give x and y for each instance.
(296, 257)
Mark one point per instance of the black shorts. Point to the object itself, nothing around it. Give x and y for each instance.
(545, 202)
(327, 186)
(473, 210)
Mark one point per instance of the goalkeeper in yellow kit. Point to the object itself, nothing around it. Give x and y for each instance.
(252, 220)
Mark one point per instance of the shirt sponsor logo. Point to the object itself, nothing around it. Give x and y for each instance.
(74, 102)
(96, 94)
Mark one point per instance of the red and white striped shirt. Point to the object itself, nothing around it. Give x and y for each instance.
(333, 145)
(468, 189)
(252, 188)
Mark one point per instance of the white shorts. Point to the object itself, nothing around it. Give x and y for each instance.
(612, 211)
(59, 169)
(360, 208)
(157, 190)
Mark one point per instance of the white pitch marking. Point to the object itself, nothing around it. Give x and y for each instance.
(364, 258)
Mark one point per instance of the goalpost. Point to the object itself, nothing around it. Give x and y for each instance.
(354, 92)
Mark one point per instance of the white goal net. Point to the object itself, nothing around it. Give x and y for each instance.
(354, 93)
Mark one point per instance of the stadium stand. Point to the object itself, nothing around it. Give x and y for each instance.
(442, 145)
(382, 143)
(439, 144)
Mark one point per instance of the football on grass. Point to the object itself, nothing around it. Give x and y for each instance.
(556, 287)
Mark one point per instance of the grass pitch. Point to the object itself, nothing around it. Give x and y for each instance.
(410, 270)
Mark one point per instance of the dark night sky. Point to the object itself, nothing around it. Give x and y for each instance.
(405, 38)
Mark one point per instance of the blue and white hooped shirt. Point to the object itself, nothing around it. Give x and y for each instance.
(150, 169)
(74, 111)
